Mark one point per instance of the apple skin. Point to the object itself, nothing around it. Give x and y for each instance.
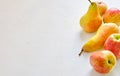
(112, 43)
(102, 6)
(103, 61)
(112, 15)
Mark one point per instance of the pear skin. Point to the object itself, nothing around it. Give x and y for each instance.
(91, 21)
(98, 40)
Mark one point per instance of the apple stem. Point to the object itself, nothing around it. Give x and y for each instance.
(81, 52)
(90, 1)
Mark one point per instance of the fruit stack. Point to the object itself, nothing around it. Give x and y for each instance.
(105, 22)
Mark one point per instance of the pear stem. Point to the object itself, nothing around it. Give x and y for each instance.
(81, 52)
(90, 1)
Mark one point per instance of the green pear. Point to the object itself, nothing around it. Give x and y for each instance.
(98, 40)
(91, 21)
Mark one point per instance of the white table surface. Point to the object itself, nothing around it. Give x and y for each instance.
(43, 38)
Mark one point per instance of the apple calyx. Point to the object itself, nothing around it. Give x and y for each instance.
(109, 62)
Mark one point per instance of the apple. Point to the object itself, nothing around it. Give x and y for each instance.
(102, 6)
(103, 61)
(112, 15)
(112, 43)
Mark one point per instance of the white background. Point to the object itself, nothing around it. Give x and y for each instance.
(43, 38)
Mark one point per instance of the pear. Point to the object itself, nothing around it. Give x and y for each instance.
(91, 21)
(98, 40)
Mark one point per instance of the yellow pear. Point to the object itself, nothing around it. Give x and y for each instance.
(97, 41)
(91, 21)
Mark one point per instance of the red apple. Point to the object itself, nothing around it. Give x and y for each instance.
(102, 6)
(103, 61)
(113, 44)
(112, 15)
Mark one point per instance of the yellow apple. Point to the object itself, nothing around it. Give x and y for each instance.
(103, 61)
(102, 6)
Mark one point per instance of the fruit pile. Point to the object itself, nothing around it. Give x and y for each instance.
(105, 22)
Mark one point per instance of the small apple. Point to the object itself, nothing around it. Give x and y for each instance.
(112, 15)
(103, 61)
(113, 44)
(102, 6)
